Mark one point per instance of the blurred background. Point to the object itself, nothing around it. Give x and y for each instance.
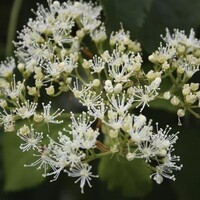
(146, 20)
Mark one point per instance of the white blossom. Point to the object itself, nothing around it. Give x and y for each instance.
(31, 139)
(144, 95)
(14, 90)
(7, 67)
(49, 117)
(82, 173)
(26, 110)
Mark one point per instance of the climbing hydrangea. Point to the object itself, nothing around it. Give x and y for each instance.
(110, 84)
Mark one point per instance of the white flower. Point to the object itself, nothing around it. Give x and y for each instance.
(7, 67)
(162, 139)
(120, 37)
(34, 53)
(44, 160)
(49, 117)
(86, 139)
(82, 173)
(89, 24)
(79, 92)
(144, 95)
(90, 99)
(189, 67)
(97, 64)
(140, 131)
(163, 54)
(64, 153)
(179, 37)
(115, 121)
(97, 112)
(122, 66)
(108, 86)
(31, 139)
(164, 171)
(99, 35)
(147, 150)
(80, 124)
(89, 9)
(26, 110)
(7, 119)
(14, 90)
(120, 103)
(55, 68)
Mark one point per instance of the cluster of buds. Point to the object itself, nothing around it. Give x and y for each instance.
(179, 60)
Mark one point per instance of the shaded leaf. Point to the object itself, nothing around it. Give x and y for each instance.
(147, 19)
(188, 179)
(18, 177)
(131, 13)
(132, 178)
(163, 105)
(168, 14)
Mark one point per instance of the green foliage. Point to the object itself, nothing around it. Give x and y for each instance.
(132, 178)
(188, 180)
(162, 104)
(117, 12)
(147, 19)
(18, 177)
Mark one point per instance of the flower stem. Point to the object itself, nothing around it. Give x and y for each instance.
(12, 26)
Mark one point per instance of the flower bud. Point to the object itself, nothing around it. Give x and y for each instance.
(162, 152)
(165, 66)
(118, 88)
(3, 103)
(108, 86)
(37, 117)
(175, 101)
(130, 156)
(152, 58)
(167, 95)
(113, 133)
(86, 64)
(21, 67)
(131, 91)
(24, 130)
(50, 90)
(69, 80)
(105, 56)
(181, 49)
(190, 98)
(32, 91)
(194, 86)
(96, 82)
(181, 113)
(180, 70)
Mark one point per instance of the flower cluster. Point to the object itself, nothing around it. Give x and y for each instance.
(110, 84)
(179, 60)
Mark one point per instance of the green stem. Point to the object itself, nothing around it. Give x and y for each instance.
(79, 76)
(97, 156)
(12, 26)
(194, 113)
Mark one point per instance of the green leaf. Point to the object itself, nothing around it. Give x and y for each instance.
(163, 105)
(168, 14)
(188, 179)
(18, 177)
(131, 13)
(147, 19)
(132, 178)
